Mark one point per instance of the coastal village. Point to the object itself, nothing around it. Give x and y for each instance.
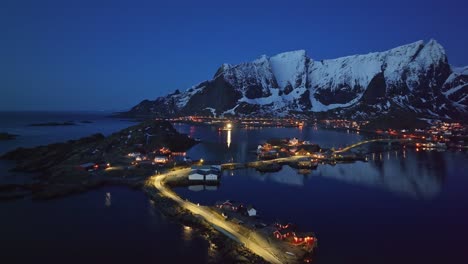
(154, 148)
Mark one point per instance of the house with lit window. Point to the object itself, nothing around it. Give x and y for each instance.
(161, 160)
(230, 206)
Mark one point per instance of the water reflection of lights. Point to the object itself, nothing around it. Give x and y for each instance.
(192, 131)
(229, 138)
(212, 249)
(187, 233)
(108, 201)
(405, 175)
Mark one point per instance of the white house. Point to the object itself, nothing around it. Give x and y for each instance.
(259, 149)
(293, 141)
(251, 211)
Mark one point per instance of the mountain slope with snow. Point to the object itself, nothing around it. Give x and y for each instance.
(412, 78)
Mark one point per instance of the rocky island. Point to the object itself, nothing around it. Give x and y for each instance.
(7, 136)
(68, 123)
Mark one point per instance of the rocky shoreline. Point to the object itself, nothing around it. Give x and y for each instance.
(225, 250)
(56, 168)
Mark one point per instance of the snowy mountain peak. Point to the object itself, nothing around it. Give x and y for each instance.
(412, 78)
(291, 54)
(289, 68)
(408, 49)
(432, 52)
(261, 60)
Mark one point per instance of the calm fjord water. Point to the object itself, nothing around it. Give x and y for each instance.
(401, 206)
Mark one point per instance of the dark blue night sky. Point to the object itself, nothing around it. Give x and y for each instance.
(110, 55)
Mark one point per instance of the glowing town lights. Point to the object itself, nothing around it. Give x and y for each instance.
(201, 160)
(229, 126)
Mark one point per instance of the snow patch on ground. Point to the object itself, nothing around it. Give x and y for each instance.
(231, 111)
(212, 110)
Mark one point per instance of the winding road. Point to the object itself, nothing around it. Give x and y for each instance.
(255, 243)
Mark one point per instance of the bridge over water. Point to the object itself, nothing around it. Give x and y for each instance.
(388, 140)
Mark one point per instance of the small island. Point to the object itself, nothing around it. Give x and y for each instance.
(68, 123)
(7, 136)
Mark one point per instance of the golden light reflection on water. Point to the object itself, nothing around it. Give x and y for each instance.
(187, 234)
(228, 138)
(212, 250)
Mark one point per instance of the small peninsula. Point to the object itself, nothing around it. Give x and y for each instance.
(7, 136)
(68, 123)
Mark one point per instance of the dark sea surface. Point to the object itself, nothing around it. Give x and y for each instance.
(108, 225)
(400, 207)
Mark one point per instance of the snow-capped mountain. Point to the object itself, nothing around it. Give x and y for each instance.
(412, 78)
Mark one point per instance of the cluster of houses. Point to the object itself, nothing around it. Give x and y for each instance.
(287, 147)
(160, 156)
(237, 207)
(288, 233)
(343, 123)
(245, 122)
(441, 135)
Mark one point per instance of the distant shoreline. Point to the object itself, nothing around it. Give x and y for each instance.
(68, 123)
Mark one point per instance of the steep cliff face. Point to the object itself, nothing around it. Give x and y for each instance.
(414, 77)
(455, 88)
